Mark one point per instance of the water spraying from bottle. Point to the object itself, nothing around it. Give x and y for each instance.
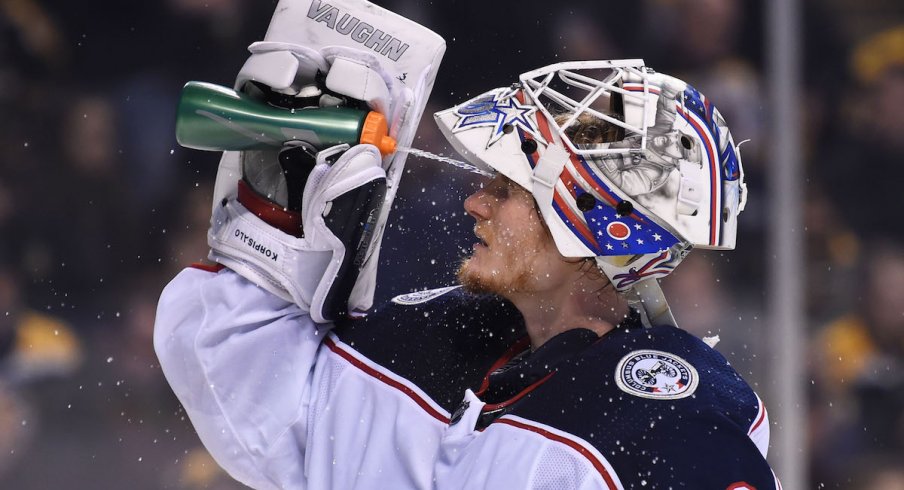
(451, 161)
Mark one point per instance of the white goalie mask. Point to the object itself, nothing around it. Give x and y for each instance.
(672, 179)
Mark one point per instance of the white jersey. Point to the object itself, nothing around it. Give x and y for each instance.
(284, 403)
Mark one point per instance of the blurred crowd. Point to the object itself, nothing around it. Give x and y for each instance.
(99, 208)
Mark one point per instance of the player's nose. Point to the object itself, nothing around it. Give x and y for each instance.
(477, 205)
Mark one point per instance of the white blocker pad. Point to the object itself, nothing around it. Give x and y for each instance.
(404, 53)
(309, 35)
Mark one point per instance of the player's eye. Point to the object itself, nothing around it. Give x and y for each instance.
(499, 187)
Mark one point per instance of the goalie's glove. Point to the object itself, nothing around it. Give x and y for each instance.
(329, 260)
(333, 213)
(312, 257)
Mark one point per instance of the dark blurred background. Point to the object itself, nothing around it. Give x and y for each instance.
(99, 208)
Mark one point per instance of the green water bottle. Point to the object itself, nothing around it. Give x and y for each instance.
(211, 117)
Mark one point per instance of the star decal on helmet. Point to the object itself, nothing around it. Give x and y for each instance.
(501, 110)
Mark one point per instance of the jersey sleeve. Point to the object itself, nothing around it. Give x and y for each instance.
(241, 362)
(282, 402)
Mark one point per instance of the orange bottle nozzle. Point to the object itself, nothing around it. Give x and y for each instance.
(375, 131)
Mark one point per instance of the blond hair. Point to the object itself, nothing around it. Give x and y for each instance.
(588, 129)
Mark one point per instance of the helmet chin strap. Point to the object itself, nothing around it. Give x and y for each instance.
(647, 298)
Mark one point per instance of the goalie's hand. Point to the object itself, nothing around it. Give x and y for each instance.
(290, 183)
(313, 257)
(310, 74)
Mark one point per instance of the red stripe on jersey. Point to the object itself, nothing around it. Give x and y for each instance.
(518, 347)
(333, 346)
(610, 482)
(740, 486)
(214, 268)
(759, 420)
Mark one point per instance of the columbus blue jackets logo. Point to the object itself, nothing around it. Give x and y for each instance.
(501, 111)
(656, 374)
(419, 297)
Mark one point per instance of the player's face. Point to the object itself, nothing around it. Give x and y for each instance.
(515, 253)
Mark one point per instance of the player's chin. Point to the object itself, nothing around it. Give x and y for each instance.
(469, 277)
(465, 272)
(479, 280)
